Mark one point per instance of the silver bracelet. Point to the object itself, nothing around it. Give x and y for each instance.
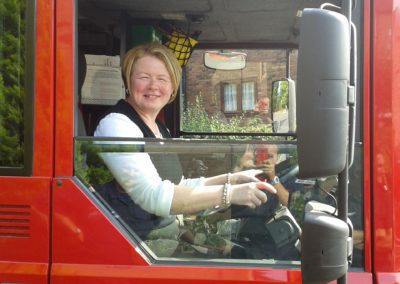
(226, 195)
(228, 178)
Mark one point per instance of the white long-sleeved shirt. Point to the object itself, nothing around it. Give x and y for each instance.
(135, 172)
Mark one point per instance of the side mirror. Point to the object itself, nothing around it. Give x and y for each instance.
(322, 89)
(222, 60)
(326, 257)
(284, 106)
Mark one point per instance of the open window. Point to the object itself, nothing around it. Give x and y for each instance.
(218, 102)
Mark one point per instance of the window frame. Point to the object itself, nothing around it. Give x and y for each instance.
(239, 95)
(236, 97)
(254, 84)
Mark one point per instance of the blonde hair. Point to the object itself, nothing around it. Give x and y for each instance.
(159, 51)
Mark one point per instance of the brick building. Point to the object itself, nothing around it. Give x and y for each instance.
(245, 92)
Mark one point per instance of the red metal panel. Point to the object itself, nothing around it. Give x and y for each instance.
(173, 274)
(82, 234)
(44, 89)
(24, 229)
(385, 278)
(65, 22)
(23, 272)
(366, 126)
(386, 135)
(395, 41)
(84, 274)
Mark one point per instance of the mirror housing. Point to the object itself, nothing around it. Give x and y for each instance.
(221, 60)
(283, 106)
(326, 257)
(322, 89)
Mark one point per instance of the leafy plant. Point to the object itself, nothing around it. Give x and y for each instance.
(196, 119)
(12, 91)
(89, 167)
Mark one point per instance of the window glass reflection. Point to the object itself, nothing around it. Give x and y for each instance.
(268, 232)
(12, 87)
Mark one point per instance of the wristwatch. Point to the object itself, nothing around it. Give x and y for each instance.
(275, 180)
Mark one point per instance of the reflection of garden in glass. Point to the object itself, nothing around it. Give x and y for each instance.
(196, 119)
(280, 95)
(12, 90)
(219, 157)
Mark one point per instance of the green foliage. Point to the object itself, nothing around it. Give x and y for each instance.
(12, 64)
(281, 95)
(89, 167)
(196, 119)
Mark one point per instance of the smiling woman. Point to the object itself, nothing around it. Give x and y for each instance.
(150, 73)
(150, 89)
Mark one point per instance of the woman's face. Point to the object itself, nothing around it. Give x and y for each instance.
(151, 86)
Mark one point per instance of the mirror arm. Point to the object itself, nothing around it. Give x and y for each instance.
(343, 204)
(346, 9)
(352, 93)
(343, 176)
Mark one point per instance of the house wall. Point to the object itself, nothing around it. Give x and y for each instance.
(262, 67)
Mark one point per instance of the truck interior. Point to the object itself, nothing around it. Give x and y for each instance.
(267, 32)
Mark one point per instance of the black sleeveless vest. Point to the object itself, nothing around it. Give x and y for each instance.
(167, 165)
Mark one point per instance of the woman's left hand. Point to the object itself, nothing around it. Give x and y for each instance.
(245, 176)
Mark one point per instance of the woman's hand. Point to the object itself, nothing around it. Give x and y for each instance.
(245, 176)
(250, 194)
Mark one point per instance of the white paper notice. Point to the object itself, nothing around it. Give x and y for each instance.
(103, 83)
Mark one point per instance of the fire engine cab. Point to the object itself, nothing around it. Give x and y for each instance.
(309, 86)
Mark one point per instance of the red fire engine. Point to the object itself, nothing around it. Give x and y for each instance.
(316, 80)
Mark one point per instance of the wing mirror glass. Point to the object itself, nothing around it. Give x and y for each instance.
(284, 106)
(323, 74)
(221, 60)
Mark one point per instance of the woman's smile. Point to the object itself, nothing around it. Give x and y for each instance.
(151, 86)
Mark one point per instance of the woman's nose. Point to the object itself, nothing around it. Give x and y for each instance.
(153, 83)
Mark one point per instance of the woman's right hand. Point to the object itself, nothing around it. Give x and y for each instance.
(250, 194)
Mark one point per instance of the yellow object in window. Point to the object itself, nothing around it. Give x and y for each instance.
(181, 44)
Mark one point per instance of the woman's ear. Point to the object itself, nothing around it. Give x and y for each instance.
(171, 98)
